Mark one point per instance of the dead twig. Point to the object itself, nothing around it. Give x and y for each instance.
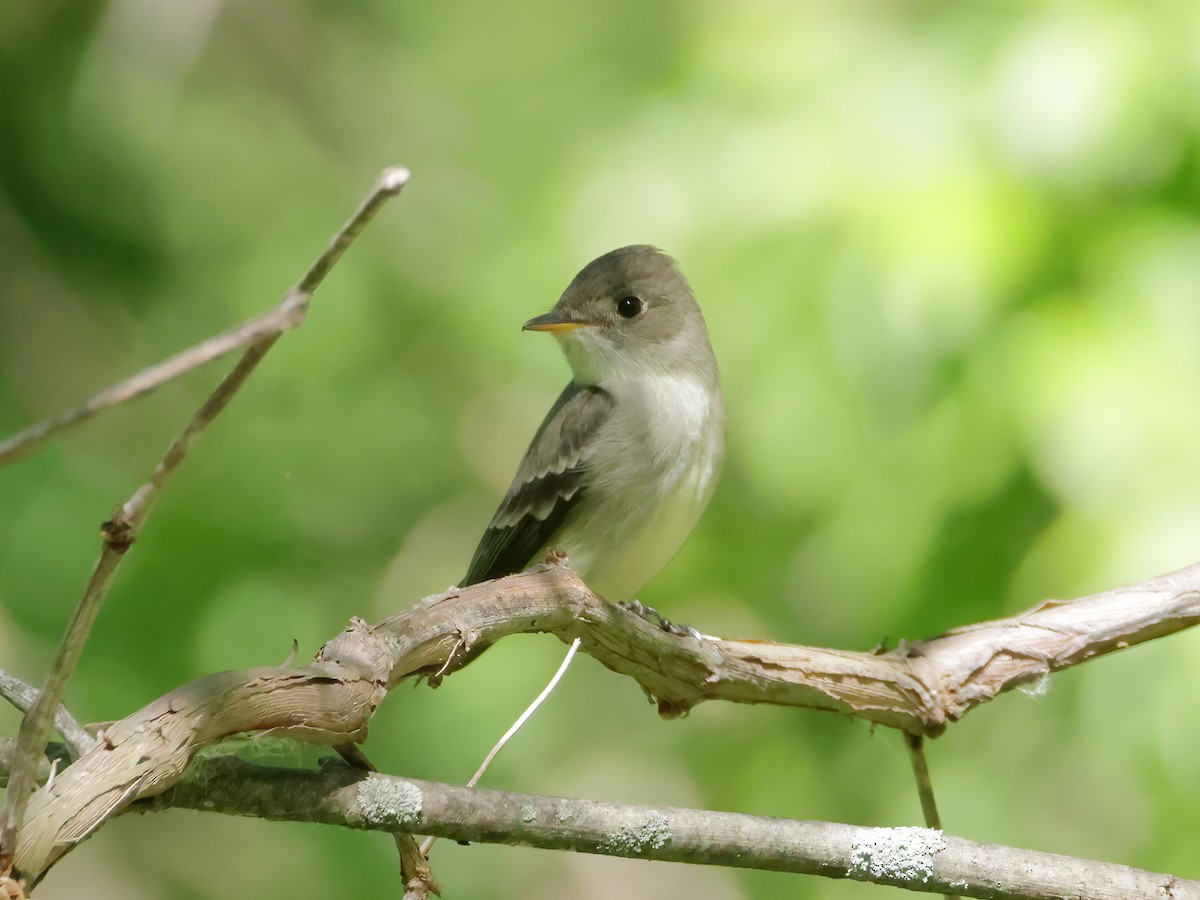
(275, 321)
(916, 754)
(78, 739)
(120, 531)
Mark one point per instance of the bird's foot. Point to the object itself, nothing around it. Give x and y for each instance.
(650, 614)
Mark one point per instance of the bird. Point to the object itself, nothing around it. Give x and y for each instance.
(627, 458)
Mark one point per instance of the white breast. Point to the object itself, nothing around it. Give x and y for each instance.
(654, 470)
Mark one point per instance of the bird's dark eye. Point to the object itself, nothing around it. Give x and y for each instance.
(629, 307)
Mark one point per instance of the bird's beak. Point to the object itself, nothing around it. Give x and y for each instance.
(551, 321)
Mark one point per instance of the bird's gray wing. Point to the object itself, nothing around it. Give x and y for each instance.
(549, 482)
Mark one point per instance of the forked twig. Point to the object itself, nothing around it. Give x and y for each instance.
(283, 317)
(23, 443)
(121, 530)
(78, 739)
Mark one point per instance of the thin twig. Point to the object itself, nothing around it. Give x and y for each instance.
(39, 721)
(282, 318)
(77, 739)
(916, 754)
(415, 871)
(515, 727)
(25, 442)
(121, 531)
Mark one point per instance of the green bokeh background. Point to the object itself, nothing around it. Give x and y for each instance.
(950, 260)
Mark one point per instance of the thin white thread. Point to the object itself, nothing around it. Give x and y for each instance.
(516, 726)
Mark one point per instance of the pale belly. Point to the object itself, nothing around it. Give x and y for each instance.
(643, 511)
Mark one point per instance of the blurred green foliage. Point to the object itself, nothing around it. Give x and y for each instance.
(950, 258)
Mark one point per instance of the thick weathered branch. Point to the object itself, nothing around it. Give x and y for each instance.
(919, 688)
(919, 859)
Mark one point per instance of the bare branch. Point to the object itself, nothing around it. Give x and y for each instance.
(919, 689)
(918, 859)
(916, 753)
(920, 766)
(284, 317)
(121, 530)
(23, 443)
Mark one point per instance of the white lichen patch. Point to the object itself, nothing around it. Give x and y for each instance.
(528, 813)
(651, 833)
(901, 854)
(387, 801)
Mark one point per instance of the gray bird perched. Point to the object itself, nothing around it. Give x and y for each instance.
(627, 458)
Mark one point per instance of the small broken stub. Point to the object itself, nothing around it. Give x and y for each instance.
(556, 557)
(118, 532)
(466, 648)
(669, 709)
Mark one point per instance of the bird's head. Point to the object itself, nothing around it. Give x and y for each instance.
(630, 314)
